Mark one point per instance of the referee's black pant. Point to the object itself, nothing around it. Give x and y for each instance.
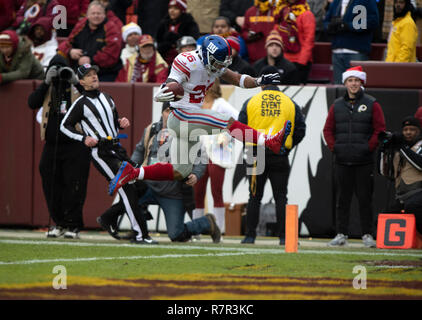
(277, 169)
(64, 174)
(108, 161)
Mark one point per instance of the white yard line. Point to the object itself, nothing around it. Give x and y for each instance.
(164, 256)
(230, 251)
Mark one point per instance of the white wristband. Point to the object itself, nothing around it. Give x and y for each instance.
(242, 80)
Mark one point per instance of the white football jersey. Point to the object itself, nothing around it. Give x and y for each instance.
(189, 70)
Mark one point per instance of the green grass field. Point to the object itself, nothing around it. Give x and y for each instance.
(100, 268)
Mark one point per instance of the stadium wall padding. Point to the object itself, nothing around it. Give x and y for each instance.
(22, 201)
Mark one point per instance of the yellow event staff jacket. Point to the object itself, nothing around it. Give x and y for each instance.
(402, 40)
(268, 110)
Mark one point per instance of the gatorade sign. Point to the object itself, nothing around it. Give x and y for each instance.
(397, 231)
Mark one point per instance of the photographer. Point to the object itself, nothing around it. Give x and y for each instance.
(400, 159)
(64, 164)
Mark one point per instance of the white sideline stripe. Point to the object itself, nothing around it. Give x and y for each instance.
(243, 250)
(164, 256)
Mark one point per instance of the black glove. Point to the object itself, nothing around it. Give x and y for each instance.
(254, 36)
(272, 78)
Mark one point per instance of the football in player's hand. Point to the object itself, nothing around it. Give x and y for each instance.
(177, 90)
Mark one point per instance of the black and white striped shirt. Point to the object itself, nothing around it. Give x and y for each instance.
(97, 114)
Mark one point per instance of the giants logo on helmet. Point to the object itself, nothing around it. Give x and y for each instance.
(212, 48)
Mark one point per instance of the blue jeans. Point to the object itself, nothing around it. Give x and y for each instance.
(174, 213)
(341, 62)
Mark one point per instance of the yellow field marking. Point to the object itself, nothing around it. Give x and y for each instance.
(263, 287)
(50, 296)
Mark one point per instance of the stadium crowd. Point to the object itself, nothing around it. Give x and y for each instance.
(137, 41)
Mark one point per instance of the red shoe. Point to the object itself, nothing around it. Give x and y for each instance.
(125, 174)
(276, 142)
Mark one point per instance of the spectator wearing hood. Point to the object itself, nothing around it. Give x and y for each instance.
(403, 35)
(31, 11)
(130, 34)
(145, 66)
(95, 40)
(8, 10)
(16, 60)
(64, 163)
(176, 24)
(44, 41)
(75, 11)
(259, 21)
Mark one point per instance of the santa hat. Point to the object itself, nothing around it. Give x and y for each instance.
(9, 38)
(355, 72)
(181, 4)
(130, 28)
(234, 43)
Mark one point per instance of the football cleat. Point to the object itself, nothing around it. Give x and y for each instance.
(276, 143)
(125, 174)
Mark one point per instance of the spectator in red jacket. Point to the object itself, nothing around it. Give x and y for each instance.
(8, 10)
(95, 40)
(31, 11)
(75, 11)
(296, 24)
(259, 21)
(147, 65)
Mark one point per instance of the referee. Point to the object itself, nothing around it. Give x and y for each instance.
(97, 114)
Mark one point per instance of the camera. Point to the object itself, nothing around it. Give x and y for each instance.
(65, 74)
(387, 138)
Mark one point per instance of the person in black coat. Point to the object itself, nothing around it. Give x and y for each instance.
(176, 24)
(275, 57)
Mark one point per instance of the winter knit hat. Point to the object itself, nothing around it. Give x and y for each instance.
(130, 28)
(9, 38)
(181, 4)
(234, 43)
(355, 72)
(274, 37)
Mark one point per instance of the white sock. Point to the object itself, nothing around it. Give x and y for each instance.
(220, 215)
(197, 213)
(141, 173)
(261, 140)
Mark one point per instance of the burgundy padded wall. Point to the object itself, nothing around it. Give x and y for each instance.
(142, 109)
(16, 161)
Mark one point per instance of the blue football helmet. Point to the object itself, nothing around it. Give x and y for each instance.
(216, 54)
